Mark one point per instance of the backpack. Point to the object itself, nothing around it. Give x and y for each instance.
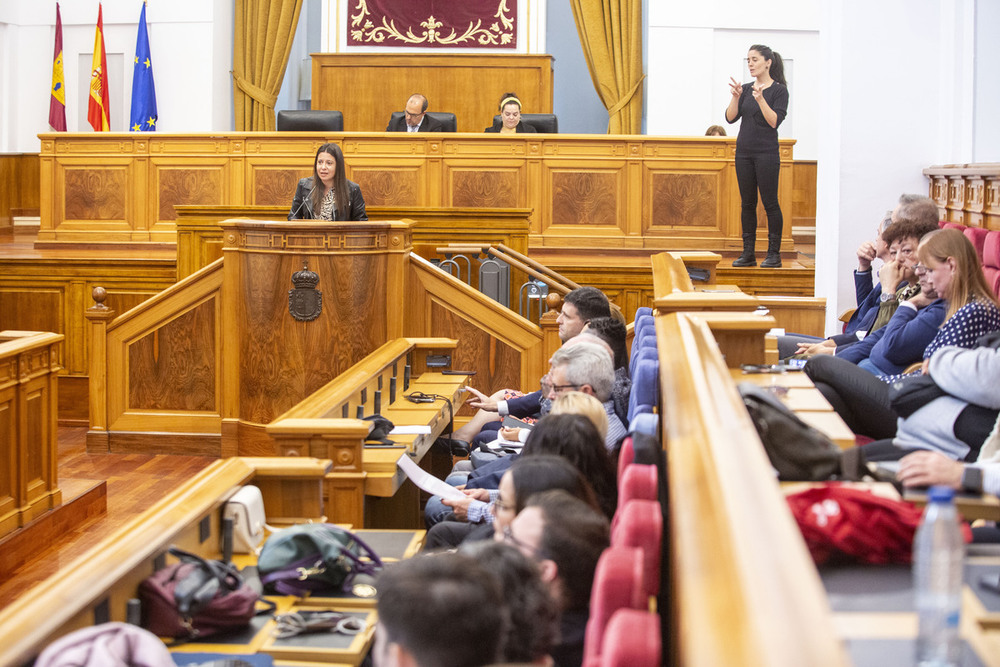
(798, 452)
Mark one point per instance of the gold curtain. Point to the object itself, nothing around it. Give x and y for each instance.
(263, 39)
(611, 36)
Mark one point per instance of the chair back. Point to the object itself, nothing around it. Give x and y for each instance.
(639, 523)
(632, 639)
(618, 584)
(311, 120)
(991, 260)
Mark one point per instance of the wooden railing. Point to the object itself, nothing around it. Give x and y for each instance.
(29, 371)
(744, 588)
(97, 586)
(329, 424)
(967, 193)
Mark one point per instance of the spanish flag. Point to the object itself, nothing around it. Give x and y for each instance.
(57, 101)
(99, 106)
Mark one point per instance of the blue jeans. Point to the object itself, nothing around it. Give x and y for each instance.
(436, 511)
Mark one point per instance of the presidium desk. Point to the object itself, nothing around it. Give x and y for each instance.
(624, 193)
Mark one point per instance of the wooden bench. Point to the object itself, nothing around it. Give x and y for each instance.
(97, 586)
(365, 487)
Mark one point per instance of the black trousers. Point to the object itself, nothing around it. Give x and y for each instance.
(759, 172)
(860, 398)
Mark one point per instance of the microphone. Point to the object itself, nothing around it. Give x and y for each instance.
(306, 200)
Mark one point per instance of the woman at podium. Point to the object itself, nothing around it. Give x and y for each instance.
(328, 195)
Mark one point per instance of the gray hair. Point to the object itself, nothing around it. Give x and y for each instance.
(587, 363)
(918, 208)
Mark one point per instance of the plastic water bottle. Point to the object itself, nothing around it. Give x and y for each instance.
(938, 552)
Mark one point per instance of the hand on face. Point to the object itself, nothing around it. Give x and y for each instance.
(866, 255)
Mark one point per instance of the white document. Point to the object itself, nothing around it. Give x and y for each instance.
(427, 481)
(419, 429)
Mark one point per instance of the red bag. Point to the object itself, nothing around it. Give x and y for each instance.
(843, 522)
(196, 598)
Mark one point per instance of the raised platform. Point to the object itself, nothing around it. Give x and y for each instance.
(84, 500)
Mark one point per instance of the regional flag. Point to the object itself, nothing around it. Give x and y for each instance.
(57, 101)
(143, 116)
(99, 106)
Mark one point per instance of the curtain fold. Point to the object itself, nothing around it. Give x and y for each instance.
(262, 42)
(611, 37)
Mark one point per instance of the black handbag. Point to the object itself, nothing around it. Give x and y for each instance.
(909, 394)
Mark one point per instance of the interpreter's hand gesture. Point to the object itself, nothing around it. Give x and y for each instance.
(481, 401)
(758, 91)
(735, 87)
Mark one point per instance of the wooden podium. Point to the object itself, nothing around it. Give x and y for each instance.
(218, 355)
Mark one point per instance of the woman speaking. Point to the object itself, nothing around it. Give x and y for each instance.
(328, 195)
(762, 104)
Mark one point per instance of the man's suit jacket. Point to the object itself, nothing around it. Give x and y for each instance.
(428, 125)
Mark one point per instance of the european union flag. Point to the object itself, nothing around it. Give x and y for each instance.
(143, 117)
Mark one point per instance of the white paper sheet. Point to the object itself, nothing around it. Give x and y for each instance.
(419, 429)
(427, 481)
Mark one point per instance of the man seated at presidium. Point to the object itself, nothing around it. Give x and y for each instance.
(415, 118)
(327, 194)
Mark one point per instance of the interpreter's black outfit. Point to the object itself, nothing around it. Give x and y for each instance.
(521, 127)
(757, 163)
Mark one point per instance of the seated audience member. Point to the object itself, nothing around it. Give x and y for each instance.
(613, 332)
(327, 194)
(566, 537)
(510, 117)
(579, 307)
(534, 616)
(913, 217)
(715, 131)
(902, 341)
(952, 269)
(960, 423)
(417, 594)
(571, 436)
(415, 118)
(528, 475)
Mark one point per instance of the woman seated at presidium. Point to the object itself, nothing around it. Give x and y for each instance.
(510, 117)
(328, 195)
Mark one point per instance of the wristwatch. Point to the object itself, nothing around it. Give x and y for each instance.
(885, 297)
(972, 479)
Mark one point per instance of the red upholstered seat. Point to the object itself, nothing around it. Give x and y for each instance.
(625, 457)
(636, 482)
(618, 584)
(978, 237)
(952, 225)
(632, 639)
(639, 523)
(991, 260)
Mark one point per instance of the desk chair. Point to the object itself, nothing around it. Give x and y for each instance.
(313, 120)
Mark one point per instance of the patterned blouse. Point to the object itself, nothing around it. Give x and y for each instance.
(974, 319)
(329, 205)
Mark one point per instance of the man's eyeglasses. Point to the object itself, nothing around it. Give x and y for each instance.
(564, 387)
(920, 269)
(413, 115)
(508, 536)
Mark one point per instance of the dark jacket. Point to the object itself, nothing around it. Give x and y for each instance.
(427, 125)
(302, 207)
(521, 127)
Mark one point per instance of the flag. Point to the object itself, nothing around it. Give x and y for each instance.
(99, 106)
(57, 101)
(143, 116)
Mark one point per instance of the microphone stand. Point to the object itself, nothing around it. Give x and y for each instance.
(306, 200)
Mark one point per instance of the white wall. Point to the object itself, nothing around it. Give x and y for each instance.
(693, 49)
(894, 89)
(191, 42)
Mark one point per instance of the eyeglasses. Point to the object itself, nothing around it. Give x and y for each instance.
(920, 269)
(499, 504)
(413, 115)
(563, 387)
(508, 536)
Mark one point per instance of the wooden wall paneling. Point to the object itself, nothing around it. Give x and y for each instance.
(804, 193)
(271, 181)
(991, 203)
(392, 182)
(973, 204)
(176, 181)
(9, 452)
(684, 200)
(466, 85)
(19, 187)
(581, 199)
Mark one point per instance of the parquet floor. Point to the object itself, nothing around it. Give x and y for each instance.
(134, 483)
